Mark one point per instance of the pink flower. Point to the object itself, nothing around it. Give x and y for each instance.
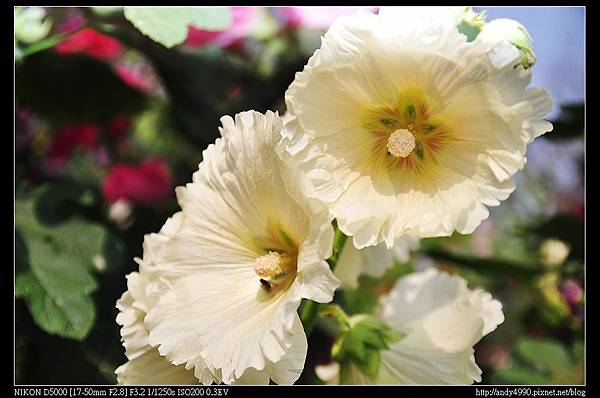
(244, 19)
(73, 21)
(496, 357)
(571, 292)
(69, 138)
(316, 17)
(147, 183)
(92, 43)
(133, 77)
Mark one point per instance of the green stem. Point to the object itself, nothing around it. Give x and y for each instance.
(339, 240)
(308, 315)
(336, 312)
(500, 268)
(48, 42)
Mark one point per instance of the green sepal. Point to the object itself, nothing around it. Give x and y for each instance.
(362, 339)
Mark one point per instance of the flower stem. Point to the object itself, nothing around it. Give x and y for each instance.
(48, 42)
(308, 315)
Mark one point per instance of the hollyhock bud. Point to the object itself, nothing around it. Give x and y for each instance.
(553, 252)
(507, 29)
(31, 24)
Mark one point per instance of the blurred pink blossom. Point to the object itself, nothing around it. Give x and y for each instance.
(572, 292)
(73, 21)
(316, 17)
(69, 138)
(133, 77)
(149, 182)
(92, 43)
(244, 19)
(496, 357)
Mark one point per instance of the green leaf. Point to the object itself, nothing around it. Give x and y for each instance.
(362, 343)
(493, 266)
(370, 363)
(519, 375)
(469, 30)
(156, 131)
(53, 275)
(169, 26)
(579, 350)
(548, 353)
(370, 331)
(55, 202)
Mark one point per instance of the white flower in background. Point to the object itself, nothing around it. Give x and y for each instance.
(121, 213)
(31, 24)
(250, 247)
(512, 31)
(553, 252)
(144, 288)
(373, 261)
(402, 126)
(442, 319)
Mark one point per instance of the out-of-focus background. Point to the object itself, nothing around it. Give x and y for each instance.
(108, 122)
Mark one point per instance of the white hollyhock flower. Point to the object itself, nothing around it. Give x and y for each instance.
(553, 252)
(373, 261)
(249, 248)
(401, 126)
(442, 319)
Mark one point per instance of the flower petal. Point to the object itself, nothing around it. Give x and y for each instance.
(151, 368)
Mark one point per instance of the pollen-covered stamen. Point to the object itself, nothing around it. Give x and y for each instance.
(401, 143)
(273, 267)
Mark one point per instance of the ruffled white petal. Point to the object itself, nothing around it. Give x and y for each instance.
(363, 63)
(151, 368)
(440, 303)
(144, 289)
(416, 360)
(229, 323)
(372, 261)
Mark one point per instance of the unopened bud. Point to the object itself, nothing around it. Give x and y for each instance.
(507, 29)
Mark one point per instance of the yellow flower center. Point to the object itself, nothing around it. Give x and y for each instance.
(401, 143)
(409, 134)
(274, 269)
